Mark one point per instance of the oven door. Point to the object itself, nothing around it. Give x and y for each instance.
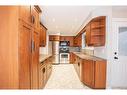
(64, 58)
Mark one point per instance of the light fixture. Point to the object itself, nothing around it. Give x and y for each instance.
(53, 20)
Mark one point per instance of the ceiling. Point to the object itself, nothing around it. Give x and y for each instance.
(64, 20)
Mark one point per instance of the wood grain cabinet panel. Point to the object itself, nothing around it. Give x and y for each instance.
(68, 38)
(25, 56)
(43, 35)
(25, 13)
(35, 61)
(45, 70)
(54, 38)
(21, 71)
(88, 72)
(35, 17)
(95, 32)
(92, 73)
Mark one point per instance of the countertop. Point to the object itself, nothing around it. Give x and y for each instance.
(88, 57)
(43, 57)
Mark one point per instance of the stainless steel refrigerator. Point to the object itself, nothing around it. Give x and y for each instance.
(55, 52)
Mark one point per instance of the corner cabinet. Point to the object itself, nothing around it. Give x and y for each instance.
(95, 32)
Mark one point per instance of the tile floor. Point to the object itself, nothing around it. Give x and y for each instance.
(64, 76)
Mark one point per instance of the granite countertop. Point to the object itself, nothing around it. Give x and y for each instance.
(88, 57)
(43, 57)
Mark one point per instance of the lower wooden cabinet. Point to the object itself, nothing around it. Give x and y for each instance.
(91, 72)
(45, 69)
(88, 72)
(94, 73)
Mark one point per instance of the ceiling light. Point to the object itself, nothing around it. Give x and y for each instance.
(53, 19)
(56, 26)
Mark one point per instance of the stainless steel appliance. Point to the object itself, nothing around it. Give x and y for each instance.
(64, 43)
(64, 57)
(64, 54)
(55, 52)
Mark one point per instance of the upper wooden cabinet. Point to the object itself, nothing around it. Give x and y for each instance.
(35, 10)
(43, 35)
(54, 37)
(68, 38)
(95, 32)
(25, 13)
(78, 41)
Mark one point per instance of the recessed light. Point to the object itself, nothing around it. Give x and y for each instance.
(56, 26)
(53, 19)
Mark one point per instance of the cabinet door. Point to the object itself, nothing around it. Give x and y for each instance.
(42, 36)
(35, 18)
(49, 69)
(24, 13)
(88, 35)
(24, 56)
(88, 72)
(35, 61)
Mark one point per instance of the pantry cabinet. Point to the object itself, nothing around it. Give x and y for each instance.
(35, 61)
(20, 68)
(43, 35)
(24, 56)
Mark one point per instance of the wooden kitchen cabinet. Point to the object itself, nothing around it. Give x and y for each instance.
(25, 13)
(88, 72)
(95, 32)
(43, 35)
(35, 61)
(54, 37)
(45, 70)
(68, 38)
(35, 11)
(94, 73)
(78, 41)
(21, 64)
(91, 72)
(24, 56)
(42, 75)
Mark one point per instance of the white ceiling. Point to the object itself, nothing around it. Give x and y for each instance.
(64, 20)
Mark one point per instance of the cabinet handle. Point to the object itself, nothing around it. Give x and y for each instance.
(78, 64)
(43, 70)
(32, 19)
(33, 46)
